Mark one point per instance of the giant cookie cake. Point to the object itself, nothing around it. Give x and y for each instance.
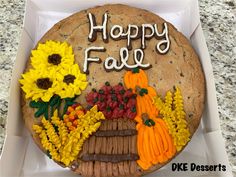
(112, 91)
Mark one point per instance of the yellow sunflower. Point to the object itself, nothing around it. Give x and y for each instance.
(39, 84)
(52, 55)
(71, 81)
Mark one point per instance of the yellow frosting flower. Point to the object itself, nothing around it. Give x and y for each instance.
(62, 129)
(172, 110)
(39, 84)
(65, 146)
(54, 73)
(52, 55)
(72, 81)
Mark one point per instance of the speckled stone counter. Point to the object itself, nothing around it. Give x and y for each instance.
(219, 24)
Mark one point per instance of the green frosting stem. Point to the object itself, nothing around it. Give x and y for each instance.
(135, 70)
(43, 108)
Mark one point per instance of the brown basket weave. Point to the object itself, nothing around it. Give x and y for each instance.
(112, 146)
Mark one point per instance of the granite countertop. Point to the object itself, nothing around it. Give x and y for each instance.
(219, 24)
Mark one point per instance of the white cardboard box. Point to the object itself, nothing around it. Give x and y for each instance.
(21, 157)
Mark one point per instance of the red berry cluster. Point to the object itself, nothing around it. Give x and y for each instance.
(114, 101)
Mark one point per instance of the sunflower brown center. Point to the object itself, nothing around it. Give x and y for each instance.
(69, 79)
(44, 83)
(54, 59)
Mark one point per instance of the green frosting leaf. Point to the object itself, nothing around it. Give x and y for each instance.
(42, 110)
(149, 122)
(143, 91)
(54, 103)
(68, 102)
(135, 70)
(34, 104)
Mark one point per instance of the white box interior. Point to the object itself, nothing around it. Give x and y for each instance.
(22, 155)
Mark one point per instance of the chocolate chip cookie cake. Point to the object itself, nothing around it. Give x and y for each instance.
(112, 91)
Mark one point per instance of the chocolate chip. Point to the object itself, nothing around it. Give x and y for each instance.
(190, 115)
(54, 59)
(44, 83)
